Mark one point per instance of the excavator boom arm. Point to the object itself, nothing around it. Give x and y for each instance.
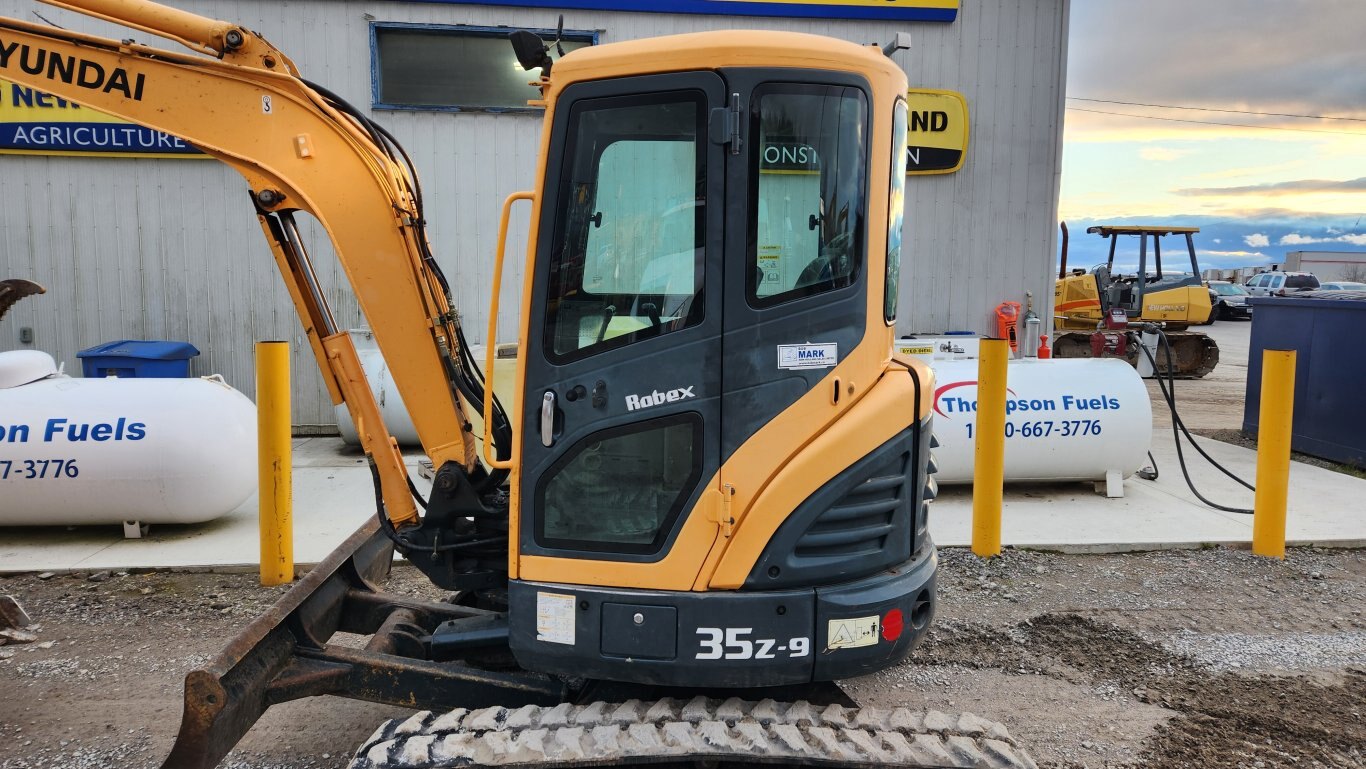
(299, 150)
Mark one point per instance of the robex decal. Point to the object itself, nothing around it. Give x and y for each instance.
(655, 398)
(70, 70)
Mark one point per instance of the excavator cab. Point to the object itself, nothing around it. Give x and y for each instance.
(710, 274)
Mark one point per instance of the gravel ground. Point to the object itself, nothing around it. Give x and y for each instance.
(1211, 658)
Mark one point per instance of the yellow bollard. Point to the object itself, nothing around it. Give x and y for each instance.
(989, 452)
(275, 455)
(1273, 452)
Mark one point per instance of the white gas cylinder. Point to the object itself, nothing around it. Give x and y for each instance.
(1076, 419)
(109, 451)
(391, 408)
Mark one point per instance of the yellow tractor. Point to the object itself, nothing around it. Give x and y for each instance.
(1085, 301)
(713, 480)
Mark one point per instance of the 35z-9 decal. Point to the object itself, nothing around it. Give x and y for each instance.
(733, 643)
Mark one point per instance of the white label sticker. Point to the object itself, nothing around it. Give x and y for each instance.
(852, 633)
(555, 618)
(795, 356)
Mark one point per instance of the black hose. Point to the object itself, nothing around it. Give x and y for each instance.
(1179, 428)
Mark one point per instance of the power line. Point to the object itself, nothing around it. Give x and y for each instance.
(1216, 109)
(1212, 122)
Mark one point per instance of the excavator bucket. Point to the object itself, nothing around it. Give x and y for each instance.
(14, 289)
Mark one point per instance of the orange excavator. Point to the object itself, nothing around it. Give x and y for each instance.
(709, 495)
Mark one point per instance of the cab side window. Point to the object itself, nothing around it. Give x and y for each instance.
(808, 171)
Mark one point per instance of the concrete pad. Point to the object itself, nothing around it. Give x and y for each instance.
(333, 495)
(1324, 508)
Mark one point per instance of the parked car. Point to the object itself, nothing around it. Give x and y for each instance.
(1281, 283)
(1228, 300)
(1343, 285)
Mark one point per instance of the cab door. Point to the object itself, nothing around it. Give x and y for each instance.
(621, 406)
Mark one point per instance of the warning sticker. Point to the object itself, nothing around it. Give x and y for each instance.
(555, 618)
(852, 633)
(922, 349)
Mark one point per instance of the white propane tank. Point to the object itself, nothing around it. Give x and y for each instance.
(391, 407)
(110, 451)
(1077, 419)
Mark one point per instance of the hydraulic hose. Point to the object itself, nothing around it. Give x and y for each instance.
(465, 373)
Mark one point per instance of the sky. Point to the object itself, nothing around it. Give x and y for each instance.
(1256, 193)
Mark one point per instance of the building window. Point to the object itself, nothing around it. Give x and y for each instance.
(432, 67)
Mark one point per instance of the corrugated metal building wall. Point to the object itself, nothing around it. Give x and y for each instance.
(170, 249)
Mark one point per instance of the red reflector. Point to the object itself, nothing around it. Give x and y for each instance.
(892, 625)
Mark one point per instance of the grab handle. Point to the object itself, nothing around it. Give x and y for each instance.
(490, 341)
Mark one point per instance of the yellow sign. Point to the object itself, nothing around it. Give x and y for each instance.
(937, 128)
(37, 123)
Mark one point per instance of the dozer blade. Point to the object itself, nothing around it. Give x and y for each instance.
(696, 732)
(283, 655)
(1193, 354)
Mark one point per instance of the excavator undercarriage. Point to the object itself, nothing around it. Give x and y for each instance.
(476, 708)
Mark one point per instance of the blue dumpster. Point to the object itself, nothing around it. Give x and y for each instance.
(1330, 369)
(138, 359)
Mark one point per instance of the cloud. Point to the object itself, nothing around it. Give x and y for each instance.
(1234, 253)
(1162, 154)
(1218, 57)
(1296, 239)
(1296, 187)
(1219, 240)
(1257, 240)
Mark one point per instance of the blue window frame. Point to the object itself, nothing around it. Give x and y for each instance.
(454, 68)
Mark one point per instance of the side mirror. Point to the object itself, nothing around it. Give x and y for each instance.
(531, 51)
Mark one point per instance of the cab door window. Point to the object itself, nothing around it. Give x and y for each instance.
(628, 264)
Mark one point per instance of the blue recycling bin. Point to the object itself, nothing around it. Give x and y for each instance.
(138, 359)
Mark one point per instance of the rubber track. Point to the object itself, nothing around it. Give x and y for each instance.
(607, 734)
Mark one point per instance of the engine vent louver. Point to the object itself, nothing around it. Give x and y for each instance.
(859, 523)
(868, 518)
